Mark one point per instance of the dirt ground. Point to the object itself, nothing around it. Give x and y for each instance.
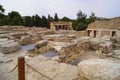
(6, 67)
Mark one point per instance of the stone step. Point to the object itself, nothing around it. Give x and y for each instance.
(3, 40)
(4, 35)
(8, 46)
(11, 47)
(7, 42)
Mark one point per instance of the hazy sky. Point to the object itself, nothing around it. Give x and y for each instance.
(69, 8)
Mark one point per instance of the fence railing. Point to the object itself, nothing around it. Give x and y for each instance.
(21, 69)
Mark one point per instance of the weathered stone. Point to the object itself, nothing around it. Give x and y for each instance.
(105, 47)
(41, 43)
(4, 58)
(116, 54)
(56, 58)
(99, 69)
(105, 38)
(61, 25)
(9, 46)
(25, 40)
(52, 69)
(4, 35)
(7, 42)
(69, 51)
(1, 54)
(3, 40)
(94, 43)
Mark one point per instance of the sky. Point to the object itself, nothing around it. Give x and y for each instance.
(68, 8)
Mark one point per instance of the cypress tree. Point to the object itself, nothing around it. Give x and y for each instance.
(56, 18)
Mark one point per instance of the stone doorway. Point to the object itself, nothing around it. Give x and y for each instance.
(88, 32)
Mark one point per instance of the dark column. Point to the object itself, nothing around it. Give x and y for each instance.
(95, 33)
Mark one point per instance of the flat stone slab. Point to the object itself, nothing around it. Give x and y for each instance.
(4, 59)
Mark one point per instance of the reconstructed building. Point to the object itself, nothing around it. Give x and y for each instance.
(105, 27)
(61, 26)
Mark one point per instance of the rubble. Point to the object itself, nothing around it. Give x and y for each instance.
(116, 53)
(69, 51)
(109, 47)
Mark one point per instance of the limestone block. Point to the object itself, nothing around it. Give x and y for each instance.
(10, 47)
(25, 40)
(41, 43)
(94, 43)
(99, 69)
(52, 69)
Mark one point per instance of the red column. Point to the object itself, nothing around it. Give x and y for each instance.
(21, 68)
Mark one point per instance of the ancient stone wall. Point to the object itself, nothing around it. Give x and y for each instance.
(78, 33)
(61, 26)
(105, 24)
(104, 27)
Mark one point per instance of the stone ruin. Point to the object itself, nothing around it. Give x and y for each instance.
(107, 46)
(61, 25)
(69, 45)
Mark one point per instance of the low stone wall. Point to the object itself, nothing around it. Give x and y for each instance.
(78, 34)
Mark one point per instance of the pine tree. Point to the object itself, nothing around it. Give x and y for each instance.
(33, 20)
(65, 19)
(1, 9)
(2, 16)
(56, 18)
(44, 21)
(49, 20)
(14, 18)
(38, 20)
(92, 18)
(27, 21)
(81, 21)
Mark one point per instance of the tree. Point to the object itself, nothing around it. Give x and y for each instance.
(14, 18)
(56, 18)
(33, 20)
(2, 16)
(50, 19)
(44, 21)
(65, 19)
(28, 21)
(92, 18)
(38, 20)
(1, 9)
(81, 21)
(81, 17)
